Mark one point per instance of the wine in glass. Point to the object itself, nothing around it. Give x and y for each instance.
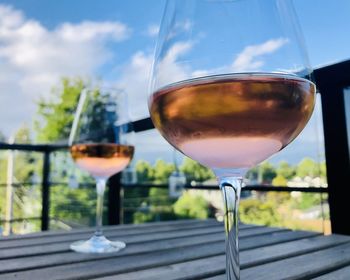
(230, 87)
(100, 144)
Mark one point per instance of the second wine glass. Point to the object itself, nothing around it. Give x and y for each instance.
(100, 144)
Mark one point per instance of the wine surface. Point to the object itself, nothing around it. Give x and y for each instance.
(102, 160)
(233, 121)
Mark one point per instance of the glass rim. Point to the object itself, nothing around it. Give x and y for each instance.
(220, 77)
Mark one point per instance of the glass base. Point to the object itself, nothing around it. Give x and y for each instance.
(97, 244)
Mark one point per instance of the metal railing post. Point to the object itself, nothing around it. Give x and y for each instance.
(45, 218)
(114, 200)
(9, 193)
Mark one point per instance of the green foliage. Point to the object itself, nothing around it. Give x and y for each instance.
(25, 163)
(73, 204)
(23, 135)
(158, 174)
(154, 214)
(278, 198)
(265, 212)
(263, 173)
(162, 171)
(3, 168)
(56, 114)
(252, 174)
(257, 212)
(142, 217)
(308, 167)
(158, 205)
(266, 172)
(308, 200)
(323, 169)
(144, 171)
(285, 170)
(191, 207)
(195, 171)
(159, 196)
(279, 180)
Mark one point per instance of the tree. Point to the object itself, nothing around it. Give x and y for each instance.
(266, 172)
(162, 171)
(3, 169)
(308, 167)
(195, 171)
(56, 113)
(144, 171)
(257, 212)
(285, 170)
(191, 207)
(73, 205)
(307, 201)
(279, 181)
(253, 174)
(323, 170)
(278, 197)
(25, 162)
(158, 205)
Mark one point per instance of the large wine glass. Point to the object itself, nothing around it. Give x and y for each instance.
(230, 87)
(100, 144)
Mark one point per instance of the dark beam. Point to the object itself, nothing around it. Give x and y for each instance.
(114, 200)
(142, 125)
(331, 81)
(32, 147)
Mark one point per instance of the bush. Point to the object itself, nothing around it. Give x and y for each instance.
(308, 200)
(191, 207)
(154, 214)
(253, 211)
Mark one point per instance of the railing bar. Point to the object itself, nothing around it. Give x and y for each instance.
(19, 219)
(263, 188)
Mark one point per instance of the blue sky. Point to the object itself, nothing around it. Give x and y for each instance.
(42, 40)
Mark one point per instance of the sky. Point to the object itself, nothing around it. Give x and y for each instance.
(41, 41)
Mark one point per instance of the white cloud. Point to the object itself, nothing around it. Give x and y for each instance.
(247, 59)
(168, 70)
(135, 81)
(33, 58)
(89, 30)
(136, 76)
(152, 30)
(180, 27)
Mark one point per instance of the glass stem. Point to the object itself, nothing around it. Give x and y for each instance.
(231, 191)
(100, 188)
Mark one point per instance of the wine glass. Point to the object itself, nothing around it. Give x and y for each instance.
(100, 144)
(230, 87)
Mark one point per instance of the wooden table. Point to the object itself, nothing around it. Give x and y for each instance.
(187, 249)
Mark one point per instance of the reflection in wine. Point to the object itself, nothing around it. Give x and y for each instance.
(102, 160)
(233, 121)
